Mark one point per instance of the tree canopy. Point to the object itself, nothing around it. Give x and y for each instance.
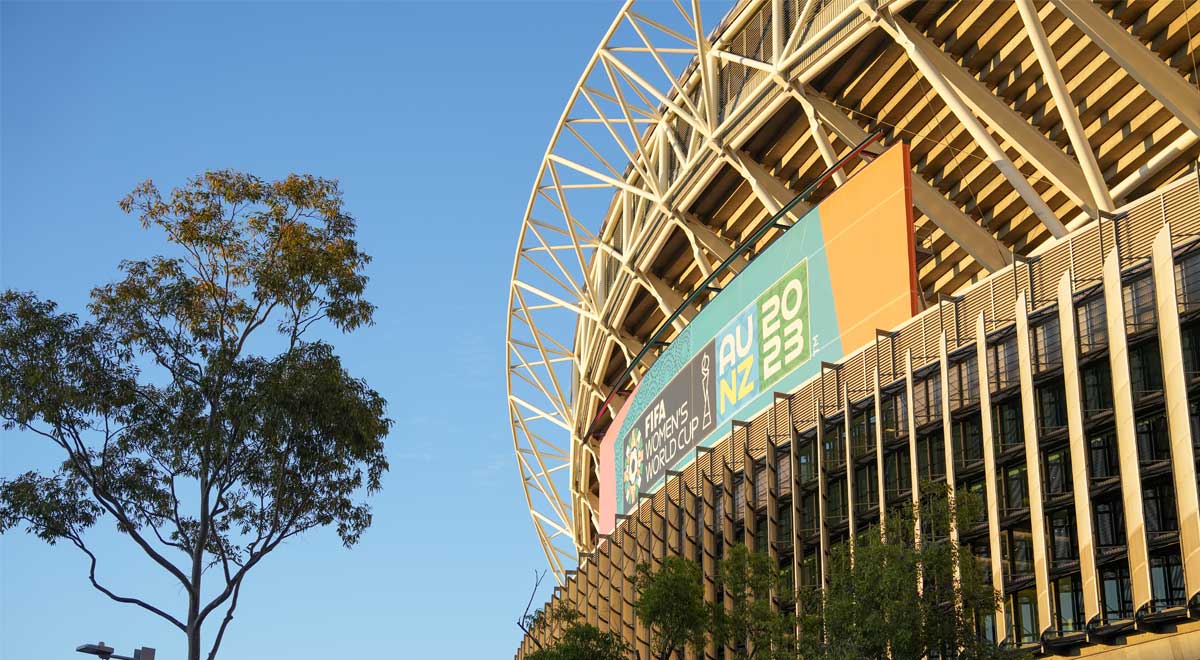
(193, 408)
(670, 600)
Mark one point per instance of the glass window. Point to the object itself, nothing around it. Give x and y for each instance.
(1191, 349)
(862, 432)
(1158, 502)
(1096, 381)
(1116, 593)
(807, 461)
(1063, 546)
(1139, 304)
(1068, 601)
(1145, 369)
(1058, 472)
(1047, 350)
(897, 473)
(1051, 406)
(1102, 456)
(1002, 364)
(1187, 275)
(967, 436)
(783, 471)
(931, 456)
(783, 524)
(964, 383)
(866, 487)
(835, 505)
(1022, 616)
(835, 446)
(1016, 497)
(895, 416)
(1110, 523)
(1093, 327)
(1166, 581)
(1006, 417)
(1153, 439)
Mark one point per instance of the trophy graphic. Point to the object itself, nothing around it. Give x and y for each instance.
(704, 381)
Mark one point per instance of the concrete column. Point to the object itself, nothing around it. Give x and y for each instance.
(989, 469)
(1183, 462)
(1131, 480)
(1079, 449)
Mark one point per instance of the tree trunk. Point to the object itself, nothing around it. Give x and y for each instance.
(193, 637)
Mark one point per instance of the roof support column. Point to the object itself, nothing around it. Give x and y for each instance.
(1066, 107)
(989, 469)
(935, 70)
(1163, 82)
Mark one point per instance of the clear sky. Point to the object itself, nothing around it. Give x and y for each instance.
(433, 116)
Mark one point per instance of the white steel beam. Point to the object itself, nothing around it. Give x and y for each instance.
(966, 96)
(1163, 82)
(1066, 107)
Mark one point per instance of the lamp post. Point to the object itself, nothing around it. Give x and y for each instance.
(106, 652)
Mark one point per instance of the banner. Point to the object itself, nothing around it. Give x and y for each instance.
(846, 268)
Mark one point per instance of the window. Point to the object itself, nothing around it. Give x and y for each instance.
(810, 572)
(1002, 364)
(1047, 349)
(931, 456)
(835, 505)
(1110, 523)
(1166, 581)
(739, 496)
(1096, 381)
(1102, 456)
(1153, 440)
(1051, 406)
(760, 484)
(1191, 350)
(964, 383)
(1145, 369)
(783, 524)
(927, 400)
(1063, 546)
(783, 471)
(1093, 327)
(967, 436)
(862, 432)
(808, 514)
(866, 488)
(1057, 477)
(1139, 304)
(1006, 417)
(1187, 276)
(1158, 502)
(806, 461)
(835, 446)
(895, 416)
(1068, 604)
(1016, 498)
(897, 473)
(1116, 593)
(1022, 616)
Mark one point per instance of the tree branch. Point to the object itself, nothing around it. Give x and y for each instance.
(212, 654)
(121, 599)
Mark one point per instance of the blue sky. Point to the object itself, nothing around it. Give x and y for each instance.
(433, 116)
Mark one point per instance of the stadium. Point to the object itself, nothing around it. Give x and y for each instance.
(784, 260)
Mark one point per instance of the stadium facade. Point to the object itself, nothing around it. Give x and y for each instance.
(775, 272)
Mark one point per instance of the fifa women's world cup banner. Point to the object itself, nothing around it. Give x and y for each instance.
(846, 268)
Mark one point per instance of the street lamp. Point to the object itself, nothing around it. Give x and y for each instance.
(106, 652)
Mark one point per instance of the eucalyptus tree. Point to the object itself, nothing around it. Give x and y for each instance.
(192, 407)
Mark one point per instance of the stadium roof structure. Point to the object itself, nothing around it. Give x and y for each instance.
(681, 143)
